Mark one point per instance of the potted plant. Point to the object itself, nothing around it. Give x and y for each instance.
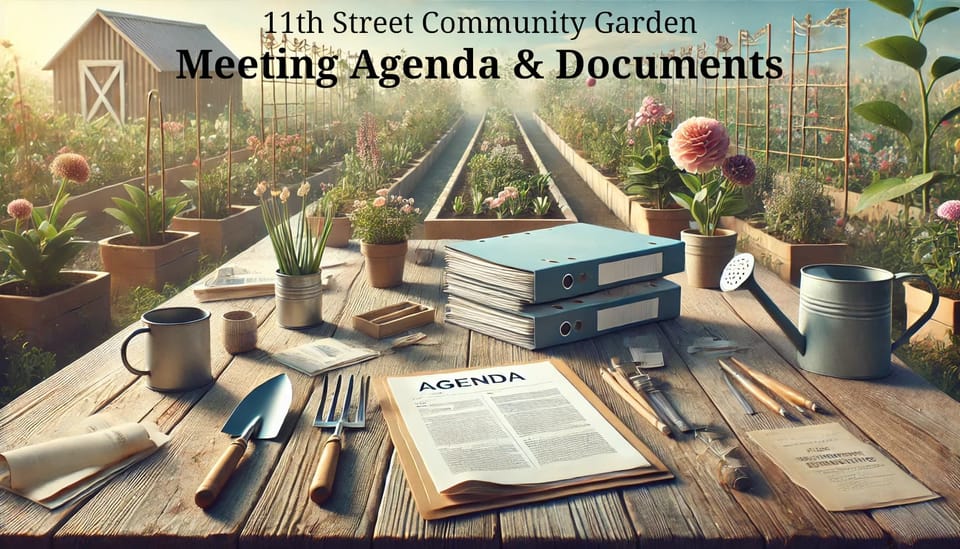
(46, 303)
(651, 174)
(937, 250)
(795, 230)
(299, 284)
(383, 226)
(699, 146)
(224, 228)
(340, 198)
(148, 254)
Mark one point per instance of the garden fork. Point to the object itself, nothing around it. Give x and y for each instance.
(322, 485)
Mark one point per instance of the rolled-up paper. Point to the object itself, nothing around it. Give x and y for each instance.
(45, 470)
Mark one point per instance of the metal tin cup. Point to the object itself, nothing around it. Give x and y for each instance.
(178, 348)
(239, 331)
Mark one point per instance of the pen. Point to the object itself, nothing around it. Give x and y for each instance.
(787, 393)
(757, 392)
(634, 403)
(634, 391)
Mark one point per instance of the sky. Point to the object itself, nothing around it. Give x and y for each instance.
(237, 23)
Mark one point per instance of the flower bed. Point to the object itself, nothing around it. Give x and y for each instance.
(441, 222)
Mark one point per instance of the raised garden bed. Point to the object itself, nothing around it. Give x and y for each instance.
(442, 223)
(607, 190)
(409, 179)
(781, 257)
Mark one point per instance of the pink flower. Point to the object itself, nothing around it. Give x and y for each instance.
(379, 201)
(699, 144)
(261, 188)
(631, 142)
(652, 112)
(591, 82)
(407, 208)
(20, 209)
(71, 166)
(739, 169)
(382, 192)
(949, 210)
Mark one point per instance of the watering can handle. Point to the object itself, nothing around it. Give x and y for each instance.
(912, 329)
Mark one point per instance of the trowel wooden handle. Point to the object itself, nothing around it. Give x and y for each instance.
(733, 473)
(217, 477)
(322, 485)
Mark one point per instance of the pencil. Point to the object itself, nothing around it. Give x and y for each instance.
(649, 416)
(639, 396)
(757, 392)
(783, 391)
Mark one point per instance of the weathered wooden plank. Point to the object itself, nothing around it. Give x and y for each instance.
(784, 513)
(918, 425)
(161, 490)
(95, 382)
(351, 514)
(694, 509)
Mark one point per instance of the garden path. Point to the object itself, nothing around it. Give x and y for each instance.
(583, 201)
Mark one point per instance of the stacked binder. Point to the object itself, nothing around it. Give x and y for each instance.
(563, 284)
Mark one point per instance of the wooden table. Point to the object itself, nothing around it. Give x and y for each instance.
(266, 502)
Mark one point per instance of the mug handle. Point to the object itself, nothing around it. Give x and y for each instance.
(908, 333)
(123, 352)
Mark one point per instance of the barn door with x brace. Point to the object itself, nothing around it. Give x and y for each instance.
(102, 89)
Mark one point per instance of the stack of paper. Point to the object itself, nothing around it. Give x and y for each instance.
(536, 432)
(562, 284)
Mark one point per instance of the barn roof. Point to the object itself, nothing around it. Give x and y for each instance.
(156, 39)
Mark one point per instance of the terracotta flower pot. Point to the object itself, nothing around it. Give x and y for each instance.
(384, 263)
(78, 314)
(227, 236)
(706, 256)
(131, 265)
(666, 222)
(340, 230)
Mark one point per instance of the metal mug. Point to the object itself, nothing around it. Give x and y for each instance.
(845, 319)
(178, 348)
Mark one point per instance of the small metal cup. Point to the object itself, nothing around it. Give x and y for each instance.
(178, 349)
(239, 331)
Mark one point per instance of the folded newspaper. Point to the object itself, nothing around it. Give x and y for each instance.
(238, 283)
(323, 355)
(63, 469)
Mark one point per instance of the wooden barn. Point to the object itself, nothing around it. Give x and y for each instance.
(114, 59)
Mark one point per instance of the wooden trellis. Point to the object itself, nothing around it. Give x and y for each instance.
(808, 120)
(748, 121)
(750, 113)
(285, 103)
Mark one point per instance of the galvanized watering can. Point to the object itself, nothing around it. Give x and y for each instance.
(845, 316)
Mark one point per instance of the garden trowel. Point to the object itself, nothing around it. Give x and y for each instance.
(259, 415)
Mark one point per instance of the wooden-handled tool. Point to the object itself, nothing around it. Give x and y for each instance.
(730, 471)
(322, 485)
(629, 395)
(258, 416)
(785, 392)
(757, 392)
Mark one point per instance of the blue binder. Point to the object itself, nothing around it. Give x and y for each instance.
(569, 320)
(561, 262)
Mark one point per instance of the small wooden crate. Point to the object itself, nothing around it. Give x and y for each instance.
(393, 319)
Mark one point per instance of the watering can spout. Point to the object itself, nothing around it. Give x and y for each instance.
(739, 274)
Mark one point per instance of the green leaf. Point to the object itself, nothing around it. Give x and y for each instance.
(902, 49)
(683, 200)
(733, 206)
(901, 7)
(691, 181)
(890, 189)
(886, 114)
(943, 66)
(937, 13)
(949, 115)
